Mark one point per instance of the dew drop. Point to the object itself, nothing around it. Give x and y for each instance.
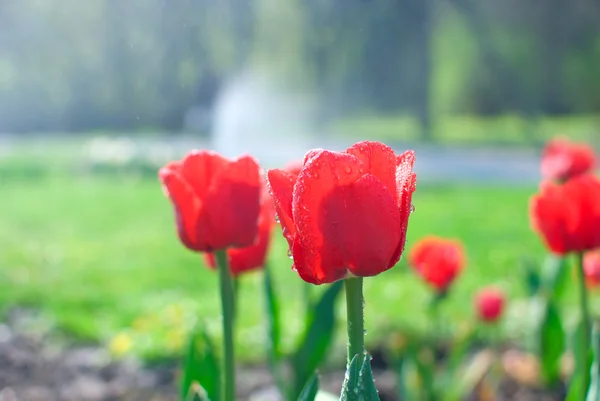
(364, 332)
(412, 208)
(348, 169)
(276, 217)
(289, 253)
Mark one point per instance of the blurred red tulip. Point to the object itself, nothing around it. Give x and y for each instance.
(437, 260)
(489, 304)
(252, 257)
(563, 159)
(216, 201)
(591, 268)
(294, 168)
(347, 212)
(567, 216)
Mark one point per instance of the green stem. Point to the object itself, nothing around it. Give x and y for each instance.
(356, 323)
(583, 299)
(227, 305)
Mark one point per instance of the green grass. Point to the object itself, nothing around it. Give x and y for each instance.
(508, 130)
(100, 256)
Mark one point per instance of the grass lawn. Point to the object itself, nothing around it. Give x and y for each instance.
(100, 257)
(507, 130)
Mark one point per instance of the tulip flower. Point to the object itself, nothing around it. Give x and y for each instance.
(591, 268)
(563, 159)
(217, 205)
(489, 304)
(345, 216)
(568, 216)
(346, 213)
(216, 201)
(438, 261)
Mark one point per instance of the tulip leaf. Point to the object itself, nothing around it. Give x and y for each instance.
(532, 277)
(317, 337)
(366, 383)
(404, 371)
(310, 390)
(358, 382)
(580, 380)
(350, 384)
(594, 390)
(552, 343)
(200, 368)
(555, 276)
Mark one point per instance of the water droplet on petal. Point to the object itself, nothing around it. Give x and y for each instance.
(412, 208)
(276, 217)
(289, 253)
(348, 169)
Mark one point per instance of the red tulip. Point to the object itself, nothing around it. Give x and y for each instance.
(562, 159)
(591, 268)
(347, 212)
(567, 216)
(437, 260)
(252, 257)
(489, 304)
(216, 200)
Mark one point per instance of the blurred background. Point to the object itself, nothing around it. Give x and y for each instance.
(96, 95)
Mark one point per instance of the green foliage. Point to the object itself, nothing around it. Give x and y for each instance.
(317, 337)
(593, 393)
(358, 382)
(309, 392)
(552, 343)
(201, 373)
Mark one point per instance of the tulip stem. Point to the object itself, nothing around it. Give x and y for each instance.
(227, 305)
(583, 299)
(355, 315)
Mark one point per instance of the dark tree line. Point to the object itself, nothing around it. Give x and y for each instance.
(67, 65)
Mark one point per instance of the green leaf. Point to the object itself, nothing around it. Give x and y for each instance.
(552, 343)
(404, 369)
(366, 385)
(594, 390)
(309, 392)
(579, 381)
(358, 383)
(317, 338)
(201, 366)
(350, 384)
(274, 333)
(555, 276)
(532, 276)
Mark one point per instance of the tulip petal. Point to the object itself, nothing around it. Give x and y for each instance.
(232, 205)
(281, 184)
(200, 168)
(547, 217)
(406, 181)
(185, 204)
(379, 160)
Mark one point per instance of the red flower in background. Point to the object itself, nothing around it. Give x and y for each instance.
(437, 260)
(294, 168)
(567, 216)
(252, 257)
(591, 268)
(563, 159)
(346, 212)
(489, 304)
(216, 201)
